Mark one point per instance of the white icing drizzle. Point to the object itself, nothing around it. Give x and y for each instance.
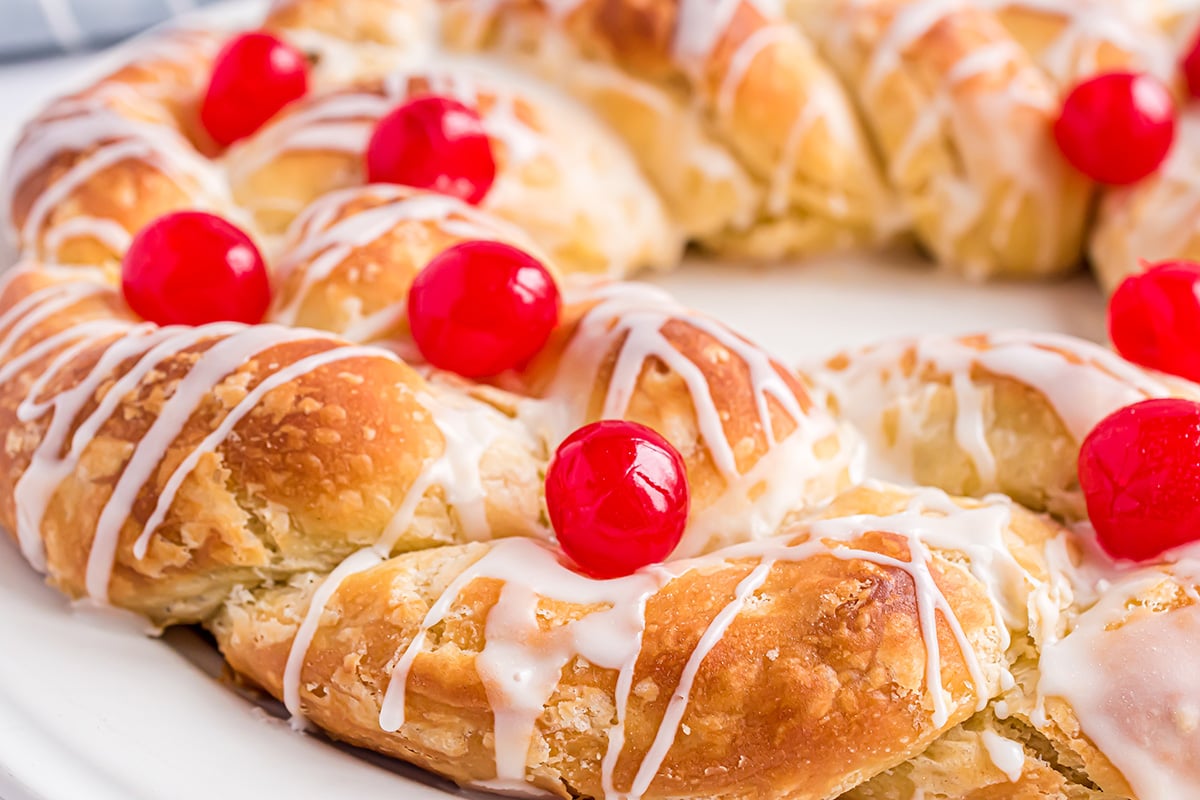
(699, 29)
(1087, 27)
(632, 317)
(47, 469)
(677, 705)
(1129, 676)
(702, 24)
(469, 429)
(1020, 166)
(244, 407)
(1007, 755)
(38, 307)
(1155, 219)
(743, 59)
(343, 122)
(100, 136)
(325, 241)
(150, 346)
(1081, 381)
(109, 233)
(216, 364)
(356, 563)
(521, 666)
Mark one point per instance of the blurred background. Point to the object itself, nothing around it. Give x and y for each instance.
(37, 28)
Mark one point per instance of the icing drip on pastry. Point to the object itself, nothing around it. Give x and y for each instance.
(1031, 168)
(360, 561)
(1127, 671)
(521, 664)
(629, 319)
(469, 428)
(48, 467)
(1154, 220)
(343, 122)
(668, 728)
(1089, 26)
(739, 65)
(244, 407)
(1082, 382)
(702, 24)
(63, 442)
(216, 364)
(100, 135)
(327, 239)
(1007, 756)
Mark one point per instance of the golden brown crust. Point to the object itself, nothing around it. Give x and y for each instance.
(130, 152)
(961, 114)
(830, 654)
(747, 429)
(987, 413)
(385, 22)
(295, 452)
(363, 296)
(771, 141)
(312, 469)
(559, 175)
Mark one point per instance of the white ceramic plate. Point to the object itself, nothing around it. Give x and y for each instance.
(92, 710)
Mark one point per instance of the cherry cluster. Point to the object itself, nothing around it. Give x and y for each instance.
(616, 492)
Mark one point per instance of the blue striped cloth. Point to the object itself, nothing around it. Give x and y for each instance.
(30, 28)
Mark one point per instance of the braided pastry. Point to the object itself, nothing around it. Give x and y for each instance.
(373, 539)
(1004, 412)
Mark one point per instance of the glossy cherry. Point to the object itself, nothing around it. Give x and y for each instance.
(1117, 128)
(254, 77)
(1190, 65)
(1140, 474)
(481, 308)
(1154, 318)
(433, 143)
(618, 498)
(192, 268)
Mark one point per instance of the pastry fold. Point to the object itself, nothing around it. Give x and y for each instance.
(740, 123)
(1003, 412)
(795, 667)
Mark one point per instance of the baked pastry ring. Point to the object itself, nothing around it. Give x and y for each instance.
(367, 537)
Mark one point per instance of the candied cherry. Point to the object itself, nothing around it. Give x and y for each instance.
(192, 268)
(254, 77)
(1117, 128)
(618, 498)
(481, 308)
(1191, 67)
(1140, 474)
(1154, 318)
(433, 143)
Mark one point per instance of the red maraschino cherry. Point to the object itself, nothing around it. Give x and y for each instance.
(254, 77)
(433, 143)
(193, 268)
(1140, 474)
(1117, 128)
(618, 498)
(1190, 65)
(481, 308)
(1154, 318)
